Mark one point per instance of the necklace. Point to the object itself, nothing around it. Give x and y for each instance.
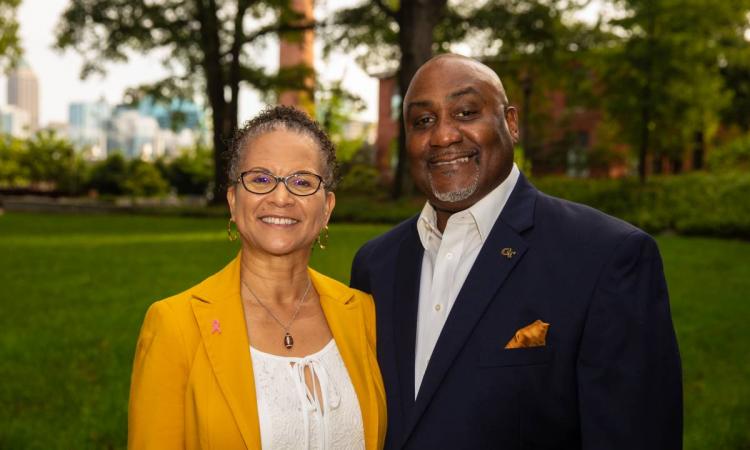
(288, 339)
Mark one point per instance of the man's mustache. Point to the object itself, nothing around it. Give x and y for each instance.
(450, 153)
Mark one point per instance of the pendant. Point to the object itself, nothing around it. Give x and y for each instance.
(288, 341)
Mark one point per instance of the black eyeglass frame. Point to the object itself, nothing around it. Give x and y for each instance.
(283, 180)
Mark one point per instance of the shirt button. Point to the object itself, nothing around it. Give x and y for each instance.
(438, 307)
(449, 255)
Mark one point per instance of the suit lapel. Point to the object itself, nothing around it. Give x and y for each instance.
(346, 321)
(501, 252)
(406, 304)
(217, 307)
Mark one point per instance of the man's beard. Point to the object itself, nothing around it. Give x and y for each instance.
(457, 195)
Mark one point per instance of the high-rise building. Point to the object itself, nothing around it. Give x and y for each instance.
(23, 92)
(176, 115)
(147, 130)
(14, 121)
(133, 134)
(87, 126)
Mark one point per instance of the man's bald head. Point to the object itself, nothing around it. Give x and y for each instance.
(464, 65)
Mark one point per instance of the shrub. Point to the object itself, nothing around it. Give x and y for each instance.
(144, 180)
(191, 173)
(360, 179)
(695, 203)
(731, 157)
(12, 171)
(372, 209)
(116, 176)
(108, 176)
(691, 204)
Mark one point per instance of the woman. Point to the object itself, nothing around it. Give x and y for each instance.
(267, 352)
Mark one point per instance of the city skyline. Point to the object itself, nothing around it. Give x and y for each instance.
(60, 85)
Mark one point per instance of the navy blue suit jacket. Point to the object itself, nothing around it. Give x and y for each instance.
(609, 376)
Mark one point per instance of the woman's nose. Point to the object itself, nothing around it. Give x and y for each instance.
(280, 195)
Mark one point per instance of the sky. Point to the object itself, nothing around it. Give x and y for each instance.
(60, 84)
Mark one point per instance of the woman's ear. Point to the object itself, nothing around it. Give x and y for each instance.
(230, 199)
(330, 203)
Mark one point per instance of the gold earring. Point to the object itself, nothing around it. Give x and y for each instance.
(232, 236)
(322, 242)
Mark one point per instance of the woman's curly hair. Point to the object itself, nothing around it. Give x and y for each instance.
(282, 118)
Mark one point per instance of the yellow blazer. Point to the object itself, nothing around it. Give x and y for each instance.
(193, 386)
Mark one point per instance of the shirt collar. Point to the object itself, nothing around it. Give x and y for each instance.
(484, 212)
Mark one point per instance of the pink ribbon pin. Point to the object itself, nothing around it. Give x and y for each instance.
(216, 328)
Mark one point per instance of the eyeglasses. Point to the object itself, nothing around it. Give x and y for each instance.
(262, 182)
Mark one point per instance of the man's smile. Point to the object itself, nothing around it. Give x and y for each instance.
(451, 159)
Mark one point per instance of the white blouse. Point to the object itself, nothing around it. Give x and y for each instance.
(323, 416)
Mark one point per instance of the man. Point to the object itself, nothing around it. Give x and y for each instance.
(577, 297)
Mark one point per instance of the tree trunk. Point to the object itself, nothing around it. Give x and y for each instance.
(212, 68)
(699, 151)
(527, 84)
(657, 166)
(416, 21)
(676, 165)
(647, 100)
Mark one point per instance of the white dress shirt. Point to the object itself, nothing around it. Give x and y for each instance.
(447, 260)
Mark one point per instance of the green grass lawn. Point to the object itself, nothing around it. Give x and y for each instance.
(73, 291)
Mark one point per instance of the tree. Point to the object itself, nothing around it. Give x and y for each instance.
(384, 26)
(334, 110)
(10, 45)
(410, 31)
(539, 49)
(52, 162)
(144, 180)
(109, 176)
(208, 44)
(12, 171)
(665, 87)
(191, 172)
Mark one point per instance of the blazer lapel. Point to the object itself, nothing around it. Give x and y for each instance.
(405, 307)
(502, 250)
(217, 307)
(345, 319)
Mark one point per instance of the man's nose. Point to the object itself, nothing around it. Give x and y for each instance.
(445, 133)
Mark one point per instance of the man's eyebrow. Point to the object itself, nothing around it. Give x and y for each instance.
(417, 104)
(461, 92)
(452, 96)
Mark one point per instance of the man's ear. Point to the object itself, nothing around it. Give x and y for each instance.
(511, 118)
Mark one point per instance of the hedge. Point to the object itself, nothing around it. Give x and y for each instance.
(691, 204)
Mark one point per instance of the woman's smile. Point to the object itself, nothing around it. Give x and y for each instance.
(278, 220)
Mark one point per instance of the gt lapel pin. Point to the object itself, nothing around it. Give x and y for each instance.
(508, 252)
(215, 327)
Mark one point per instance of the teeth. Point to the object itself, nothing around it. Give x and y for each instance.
(279, 220)
(453, 161)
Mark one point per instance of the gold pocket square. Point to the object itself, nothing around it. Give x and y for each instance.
(533, 335)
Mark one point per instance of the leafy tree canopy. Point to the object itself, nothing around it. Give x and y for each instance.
(665, 85)
(10, 44)
(209, 46)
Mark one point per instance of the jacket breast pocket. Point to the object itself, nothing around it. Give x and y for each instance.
(515, 357)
